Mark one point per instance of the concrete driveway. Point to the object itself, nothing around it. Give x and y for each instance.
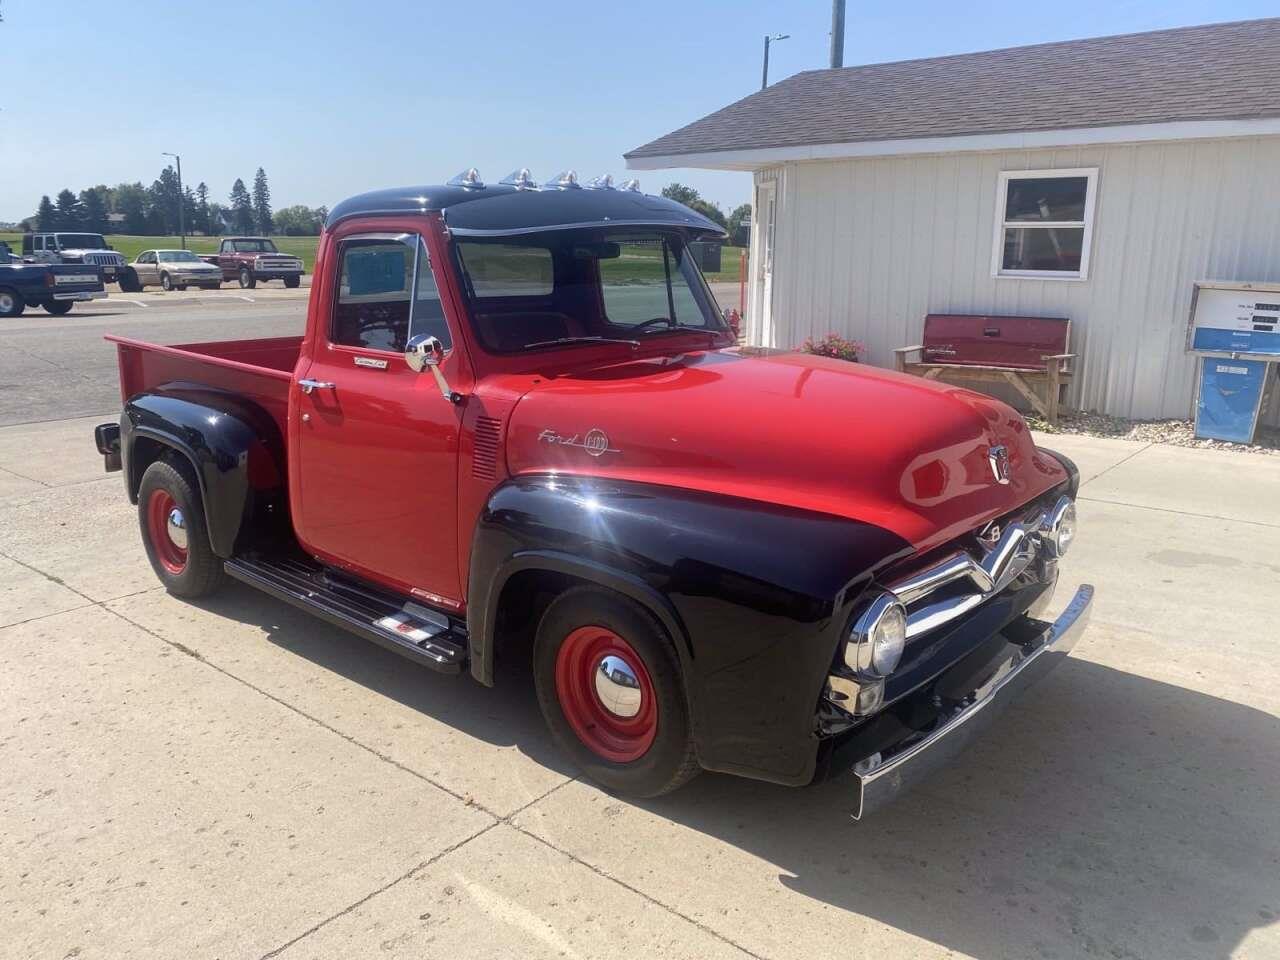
(232, 779)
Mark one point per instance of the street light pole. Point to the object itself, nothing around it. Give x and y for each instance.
(182, 202)
(764, 74)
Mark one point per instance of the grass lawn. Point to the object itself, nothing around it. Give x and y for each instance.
(129, 247)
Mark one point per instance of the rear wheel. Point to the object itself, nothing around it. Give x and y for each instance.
(166, 282)
(58, 307)
(246, 279)
(171, 516)
(11, 303)
(610, 689)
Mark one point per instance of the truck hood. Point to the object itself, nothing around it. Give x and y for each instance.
(910, 455)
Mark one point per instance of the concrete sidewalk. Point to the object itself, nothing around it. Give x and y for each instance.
(233, 779)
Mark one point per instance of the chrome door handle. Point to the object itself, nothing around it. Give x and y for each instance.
(309, 385)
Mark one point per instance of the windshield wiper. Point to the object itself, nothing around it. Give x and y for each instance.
(633, 344)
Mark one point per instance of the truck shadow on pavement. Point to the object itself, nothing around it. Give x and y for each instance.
(1106, 814)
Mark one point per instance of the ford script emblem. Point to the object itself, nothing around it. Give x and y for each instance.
(998, 457)
(595, 443)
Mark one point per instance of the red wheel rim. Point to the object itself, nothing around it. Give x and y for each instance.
(171, 556)
(603, 731)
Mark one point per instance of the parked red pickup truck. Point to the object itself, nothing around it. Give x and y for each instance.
(249, 260)
(517, 426)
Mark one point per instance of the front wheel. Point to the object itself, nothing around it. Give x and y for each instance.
(609, 685)
(129, 282)
(58, 307)
(11, 303)
(166, 282)
(292, 282)
(246, 279)
(171, 516)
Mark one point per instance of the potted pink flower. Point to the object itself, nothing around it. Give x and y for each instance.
(835, 346)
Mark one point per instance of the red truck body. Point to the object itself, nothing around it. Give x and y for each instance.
(250, 260)
(676, 465)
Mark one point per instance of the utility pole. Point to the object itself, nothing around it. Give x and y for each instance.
(837, 33)
(764, 74)
(182, 202)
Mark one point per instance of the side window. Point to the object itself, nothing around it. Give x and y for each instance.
(39, 241)
(378, 302)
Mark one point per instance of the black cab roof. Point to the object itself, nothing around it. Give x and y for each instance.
(502, 209)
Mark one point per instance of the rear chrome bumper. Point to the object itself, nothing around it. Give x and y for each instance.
(884, 776)
(81, 295)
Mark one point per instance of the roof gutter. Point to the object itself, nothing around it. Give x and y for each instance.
(757, 158)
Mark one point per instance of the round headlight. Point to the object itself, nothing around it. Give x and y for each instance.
(1059, 531)
(878, 638)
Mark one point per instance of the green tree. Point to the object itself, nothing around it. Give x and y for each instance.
(200, 222)
(298, 221)
(217, 219)
(130, 199)
(680, 193)
(262, 201)
(69, 214)
(709, 210)
(241, 207)
(740, 213)
(46, 216)
(94, 205)
(164, 199)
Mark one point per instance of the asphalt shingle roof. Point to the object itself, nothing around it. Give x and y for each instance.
(1223, 71)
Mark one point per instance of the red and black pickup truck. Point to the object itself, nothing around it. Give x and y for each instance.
(249, 260)
(517, 426)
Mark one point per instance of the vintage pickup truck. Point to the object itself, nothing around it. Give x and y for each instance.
(56, 287)
(248, 260)
(517, 426)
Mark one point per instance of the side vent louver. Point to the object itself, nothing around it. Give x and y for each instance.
(484, 464)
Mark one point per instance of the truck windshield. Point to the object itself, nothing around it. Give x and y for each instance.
(253, 246)
(575, 286)
(81, 241)
(170, 256)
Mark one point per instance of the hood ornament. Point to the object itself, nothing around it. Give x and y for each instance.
(595, 443)
(998, 457)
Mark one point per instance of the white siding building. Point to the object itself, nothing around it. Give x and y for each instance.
(1111, 176)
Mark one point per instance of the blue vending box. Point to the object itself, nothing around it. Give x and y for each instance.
(1229, 398)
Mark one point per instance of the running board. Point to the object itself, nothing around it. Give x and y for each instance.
(407, 628)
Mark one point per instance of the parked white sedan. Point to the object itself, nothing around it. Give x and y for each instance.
(170, 269)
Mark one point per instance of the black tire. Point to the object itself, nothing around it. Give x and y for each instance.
(247, 282)
(670, 761)
(201, 574)
(129, 282)
(11, 303)
(166, 282)
(292, 282)
(58, 307)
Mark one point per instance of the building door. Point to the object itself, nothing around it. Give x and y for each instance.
(766, 212)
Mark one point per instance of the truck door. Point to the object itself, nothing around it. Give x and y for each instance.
(376, 442)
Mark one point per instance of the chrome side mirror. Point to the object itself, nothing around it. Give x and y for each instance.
(423, 352)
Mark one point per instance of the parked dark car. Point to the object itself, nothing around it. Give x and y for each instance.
(56, 287)
(249, 260)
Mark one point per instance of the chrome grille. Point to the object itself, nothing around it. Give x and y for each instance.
(104, 259)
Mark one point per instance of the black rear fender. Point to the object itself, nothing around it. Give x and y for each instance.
(232, 448)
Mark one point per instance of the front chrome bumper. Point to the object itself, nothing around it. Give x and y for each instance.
(883, 777)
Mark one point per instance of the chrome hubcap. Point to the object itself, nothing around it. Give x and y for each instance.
(617, 687)
(176, 526)
(6, 302)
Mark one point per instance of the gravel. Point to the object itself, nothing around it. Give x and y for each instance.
(1180, 433)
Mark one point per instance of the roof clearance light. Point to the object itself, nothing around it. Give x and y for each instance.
(568, 180)
(633, 185)
(469, 179)
(604, 182)
(521, 179)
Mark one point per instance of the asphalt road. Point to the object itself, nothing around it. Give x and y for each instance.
(54, 368)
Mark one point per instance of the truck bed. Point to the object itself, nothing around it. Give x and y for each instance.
(259, 370)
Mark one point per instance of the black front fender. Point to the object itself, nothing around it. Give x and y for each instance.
(753, 595)
(233, 447)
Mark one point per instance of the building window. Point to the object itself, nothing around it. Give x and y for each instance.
(1044, 222)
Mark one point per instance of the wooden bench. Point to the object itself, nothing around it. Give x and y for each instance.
(1029, 353)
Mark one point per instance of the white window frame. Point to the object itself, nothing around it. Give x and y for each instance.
(1002, 196)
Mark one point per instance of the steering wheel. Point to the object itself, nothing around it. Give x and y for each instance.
(648, 323)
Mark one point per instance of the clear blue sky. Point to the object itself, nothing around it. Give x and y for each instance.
(334, 98)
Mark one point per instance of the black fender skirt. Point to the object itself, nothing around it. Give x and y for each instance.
(233, 446)
(753, 595)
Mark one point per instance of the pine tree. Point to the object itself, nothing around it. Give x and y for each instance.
(69, 215)
(46, 216)
(262, 201)
(241, 207)
(201, 221)
(95, 210)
